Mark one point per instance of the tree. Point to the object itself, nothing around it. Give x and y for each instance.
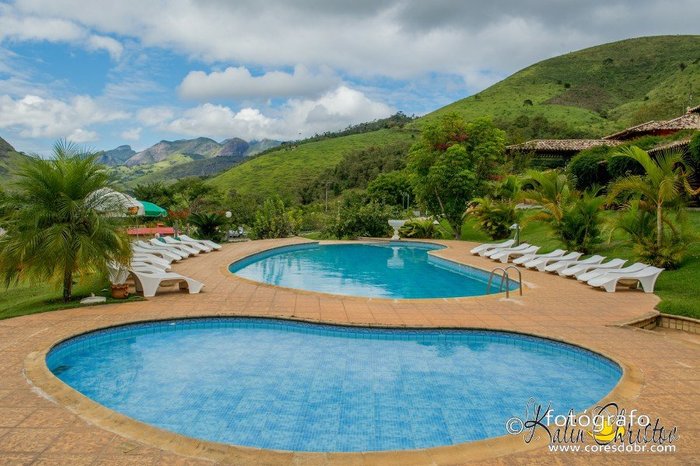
(663, 184)
(273, 220)
(57, 224)
(207, 224)
(453, 162)
(391, 188)
(573, 216)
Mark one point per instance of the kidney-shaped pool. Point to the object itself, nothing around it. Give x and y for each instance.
(376, 270)
(306, 387)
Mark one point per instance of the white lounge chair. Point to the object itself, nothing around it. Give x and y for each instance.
(636, 267)
(645, 277)
(160, 246)
(580, 269)
(485, 246)
(142, 266)
(491, 252)
(151, 259)
(180, 248)
(198, 246)
(161, 252)
(147, 282)
(541, 263)
(206, 242)
(528, 257)
(561, 265)
(505, 256)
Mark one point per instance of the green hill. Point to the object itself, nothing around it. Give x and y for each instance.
(588, 93)
(9, 159)
(284, 171)
(597, 90)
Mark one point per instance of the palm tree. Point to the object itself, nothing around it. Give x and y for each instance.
(58, 225)
(552, 191)
(663, 184)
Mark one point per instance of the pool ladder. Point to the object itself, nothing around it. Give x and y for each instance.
(505, 279)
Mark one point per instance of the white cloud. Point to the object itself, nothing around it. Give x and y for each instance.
(34, 116)
(16, 26)
(133, 134)
(239, 82)
(154, 116)
(298, 117)
(112, 46)
(83, 135)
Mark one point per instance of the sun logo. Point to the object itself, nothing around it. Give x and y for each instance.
(607, 433)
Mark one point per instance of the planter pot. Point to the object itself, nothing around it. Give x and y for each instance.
(120, 291)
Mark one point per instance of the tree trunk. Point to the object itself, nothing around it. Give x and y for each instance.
(67, 284)
(659, 225)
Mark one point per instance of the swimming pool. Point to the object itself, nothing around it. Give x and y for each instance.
(306, 387)
(376, 270)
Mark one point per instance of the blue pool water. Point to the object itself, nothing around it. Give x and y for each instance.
(383, 270)
(305, 387)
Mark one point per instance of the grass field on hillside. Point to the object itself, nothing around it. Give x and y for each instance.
(599, 89)
(283, 172)
(678, 289)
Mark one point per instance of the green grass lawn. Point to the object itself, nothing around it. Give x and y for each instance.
(25, 299)
(678, 289)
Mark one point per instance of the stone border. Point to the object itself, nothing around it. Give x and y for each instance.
(670, 321)
(43, 380)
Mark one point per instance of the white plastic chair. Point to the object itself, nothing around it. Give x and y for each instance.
(180, 248)
(206, 242)
(148, 280)
(154, 249)
(505, 256)
(541, 263)
(198, 246)
(645, 277)
(151, 259)
(561, 265)
(528, 257)
(636, 267)
(491, 252)
(580, 269)
(485, 246)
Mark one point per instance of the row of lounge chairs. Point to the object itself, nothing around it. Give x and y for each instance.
(592, 270)
(151, 263)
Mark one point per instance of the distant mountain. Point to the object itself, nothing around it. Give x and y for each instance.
(202, 147)
(117, 156)
(171, 160)
(233, 147)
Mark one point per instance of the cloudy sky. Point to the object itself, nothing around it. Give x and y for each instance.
(106, 73)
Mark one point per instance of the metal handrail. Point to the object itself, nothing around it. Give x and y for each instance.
(505, 279)
(520, 278)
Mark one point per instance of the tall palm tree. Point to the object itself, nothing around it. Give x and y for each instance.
(57, 224)
(663, 184)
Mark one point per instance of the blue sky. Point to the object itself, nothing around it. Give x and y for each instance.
(138, 71)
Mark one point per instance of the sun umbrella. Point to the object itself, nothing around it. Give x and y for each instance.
(152, 210)
(113, 203)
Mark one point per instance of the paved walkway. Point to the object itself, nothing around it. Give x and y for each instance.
(663, 369)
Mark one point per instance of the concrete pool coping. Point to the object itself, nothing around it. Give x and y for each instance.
(588, 322)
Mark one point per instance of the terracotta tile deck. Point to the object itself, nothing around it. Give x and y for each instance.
(662, 379)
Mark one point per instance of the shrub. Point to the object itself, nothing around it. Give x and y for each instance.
(494, 217)
(356, 219)
(423, 228)
(273, 220)
(579, 227)
(619, 167)
(207, 224)
(588, 168)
